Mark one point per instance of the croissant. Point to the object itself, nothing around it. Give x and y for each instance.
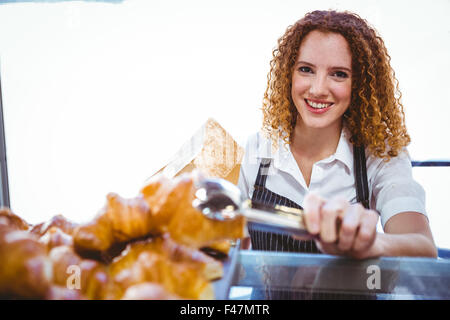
(190, 227)
(88, 276)
(146, 247)
(222, 247)
(162, 206)
(171, 203)
(148, 291)
(25, 270)
(182, 271)
(62, 293)
(180, 279)
(163, 195)
(95, 235)
(29, 270)
(120, 220)
(209, 267)
(55, 237)
(8, 218)
(58, 221)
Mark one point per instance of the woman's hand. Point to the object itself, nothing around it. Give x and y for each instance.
(342, 228)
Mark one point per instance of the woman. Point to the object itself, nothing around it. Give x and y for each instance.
(334, 143)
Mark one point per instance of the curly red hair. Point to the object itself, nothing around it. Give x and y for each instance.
(375, 117)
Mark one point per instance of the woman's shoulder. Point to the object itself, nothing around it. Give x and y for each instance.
(395, 164)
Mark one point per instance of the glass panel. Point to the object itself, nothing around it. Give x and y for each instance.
(306, 276)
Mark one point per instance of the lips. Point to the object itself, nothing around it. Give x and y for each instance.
(318, 107)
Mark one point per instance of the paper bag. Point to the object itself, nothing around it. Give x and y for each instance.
(212, 150)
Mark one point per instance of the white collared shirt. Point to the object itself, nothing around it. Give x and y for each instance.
(392, 188)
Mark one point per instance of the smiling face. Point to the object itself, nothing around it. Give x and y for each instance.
(322, 80)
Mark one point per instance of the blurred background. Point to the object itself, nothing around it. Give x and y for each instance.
(98, 95)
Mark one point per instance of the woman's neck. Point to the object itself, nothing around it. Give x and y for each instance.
(316, 144)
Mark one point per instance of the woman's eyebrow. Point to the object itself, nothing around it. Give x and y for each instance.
(334, 68)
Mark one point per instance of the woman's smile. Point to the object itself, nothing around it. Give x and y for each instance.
(318, 106)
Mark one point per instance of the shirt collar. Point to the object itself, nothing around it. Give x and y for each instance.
(344, 150)
(282, 156)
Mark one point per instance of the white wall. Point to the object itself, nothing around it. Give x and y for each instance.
(98, 95)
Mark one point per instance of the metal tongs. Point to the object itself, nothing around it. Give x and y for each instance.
(219, 199)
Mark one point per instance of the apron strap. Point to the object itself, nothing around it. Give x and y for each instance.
(362, 188)
(262, 174)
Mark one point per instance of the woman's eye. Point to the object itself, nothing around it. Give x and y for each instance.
(340, 74)
(305, 69)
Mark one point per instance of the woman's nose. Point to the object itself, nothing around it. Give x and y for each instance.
(318, 86)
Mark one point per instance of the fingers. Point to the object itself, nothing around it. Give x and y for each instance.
(358, 229)
(330, 212)
(342, 228)
(311, 207)
(349, 227)
(367, 231)
(302, 237)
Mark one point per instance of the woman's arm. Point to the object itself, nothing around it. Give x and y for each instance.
(407, 234)
(350, 229)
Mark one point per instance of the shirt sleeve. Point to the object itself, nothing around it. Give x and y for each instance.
(395, 189)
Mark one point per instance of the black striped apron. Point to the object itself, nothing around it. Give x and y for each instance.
(262, 240)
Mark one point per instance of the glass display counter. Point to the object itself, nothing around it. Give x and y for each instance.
(277, 275)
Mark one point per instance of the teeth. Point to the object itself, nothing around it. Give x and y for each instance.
(318, 105)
